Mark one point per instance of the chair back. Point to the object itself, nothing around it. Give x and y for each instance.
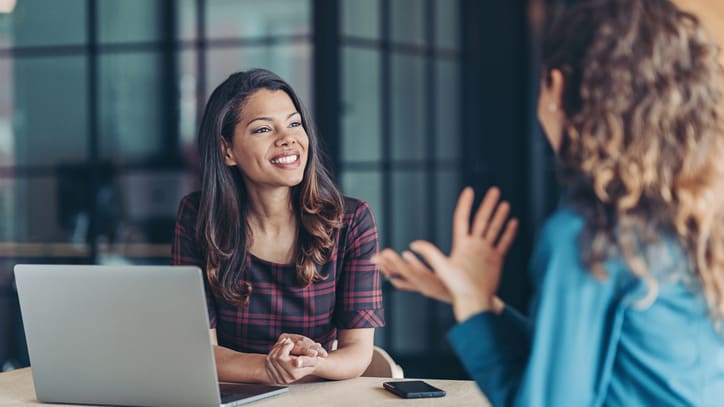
(382, 365)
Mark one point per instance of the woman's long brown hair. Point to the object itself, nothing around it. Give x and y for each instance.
(222, 228)
(642, 151)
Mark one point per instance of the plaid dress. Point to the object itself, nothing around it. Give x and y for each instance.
(350, 297)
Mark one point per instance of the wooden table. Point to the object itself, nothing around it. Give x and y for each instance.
(16, 389)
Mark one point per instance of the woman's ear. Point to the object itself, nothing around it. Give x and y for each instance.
(556, 86)
(550, 107)
(227, 153)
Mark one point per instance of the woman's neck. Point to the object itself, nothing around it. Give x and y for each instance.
(271, 212)
(272, 224)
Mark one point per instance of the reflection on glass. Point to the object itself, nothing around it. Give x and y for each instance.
(34, 226)
(364, 185)
(447, 24)
(186, 19)
(407, 21)
(149, 201)
(360, 18)
(254, 18)
(49, 110)
(7, 209)
(131, 106)
(7, 138)
(30, 211)
(409, 330)
(148, 195)
(292, 62)
(408, 108)
(367, 186)
(360, 105)
(129, 20)
(447, 104)
(43, 23)
(188, 78)
(410, 208)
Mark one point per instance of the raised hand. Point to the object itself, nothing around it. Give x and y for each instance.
(410, 274)
(469, 277)
(472, 271)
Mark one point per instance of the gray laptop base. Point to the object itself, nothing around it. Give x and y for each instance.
(122, 335)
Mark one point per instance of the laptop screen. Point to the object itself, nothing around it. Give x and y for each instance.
(121, 335)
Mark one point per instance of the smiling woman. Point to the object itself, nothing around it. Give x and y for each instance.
(269, 144)
(285, 255)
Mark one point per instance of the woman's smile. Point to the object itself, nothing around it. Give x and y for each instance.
(287, 161)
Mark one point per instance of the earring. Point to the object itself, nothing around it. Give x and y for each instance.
(552, 107)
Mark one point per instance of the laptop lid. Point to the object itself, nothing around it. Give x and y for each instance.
(122, 335)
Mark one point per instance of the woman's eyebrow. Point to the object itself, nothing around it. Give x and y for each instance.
(268, 119)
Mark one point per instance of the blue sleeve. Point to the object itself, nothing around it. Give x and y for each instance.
(573, 313)
(494, 350)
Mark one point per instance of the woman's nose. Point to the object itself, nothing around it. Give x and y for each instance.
(285, 140)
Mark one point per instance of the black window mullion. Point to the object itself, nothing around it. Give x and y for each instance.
(200, 59)
(327, 89)
(433, 325)
(169, 92)
(386, 144)
(93, 125)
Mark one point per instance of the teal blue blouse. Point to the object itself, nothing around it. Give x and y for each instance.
(594, 342)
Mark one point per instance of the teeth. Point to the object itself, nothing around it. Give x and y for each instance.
(285, 160)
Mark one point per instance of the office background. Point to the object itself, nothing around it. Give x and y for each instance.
(100, 100)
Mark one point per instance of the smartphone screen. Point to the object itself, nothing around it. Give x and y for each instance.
(411, 389)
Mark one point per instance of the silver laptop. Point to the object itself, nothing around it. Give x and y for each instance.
(123, 335)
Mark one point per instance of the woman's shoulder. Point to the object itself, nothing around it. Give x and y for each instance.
(354, 205)
(192, 199)
(356, 211)
(564, 225)
(189, 204)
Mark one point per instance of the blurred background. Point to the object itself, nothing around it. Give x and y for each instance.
(100, 101)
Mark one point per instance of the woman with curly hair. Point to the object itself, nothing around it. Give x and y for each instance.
(286, 257)
(629, 271)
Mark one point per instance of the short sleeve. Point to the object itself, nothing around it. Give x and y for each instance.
(185, 249)
(359, 289)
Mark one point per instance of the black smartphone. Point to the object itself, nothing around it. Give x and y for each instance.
(413, 389)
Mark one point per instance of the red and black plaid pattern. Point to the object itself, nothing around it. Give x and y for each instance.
(350, 297)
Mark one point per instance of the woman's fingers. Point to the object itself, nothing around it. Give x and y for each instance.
(432, 255)
(405, 285)
(428, 281)
(281, 359)
(388, 271)
(283, 367)
(492, 233)
(397, 278)
(271, 374)
(321, 352)
(507, 239)
(304, 346)
(401, 267)
(485, 210)
(461, 216)
(307, 347)
(303, 362)
(415, 263)
(271, 364)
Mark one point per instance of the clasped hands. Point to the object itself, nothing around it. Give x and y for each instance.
(292, 358)
(469, 277)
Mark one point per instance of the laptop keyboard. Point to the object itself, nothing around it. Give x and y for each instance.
(232, 391)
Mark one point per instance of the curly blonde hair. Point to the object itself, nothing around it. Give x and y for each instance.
(642, 152)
